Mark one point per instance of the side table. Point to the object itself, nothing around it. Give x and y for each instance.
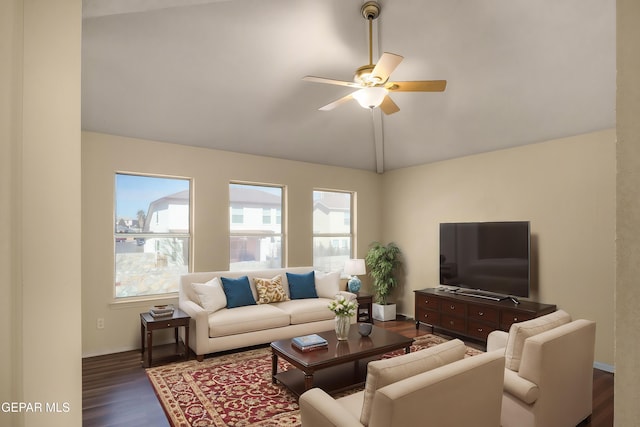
(365, 307)
(148, 324)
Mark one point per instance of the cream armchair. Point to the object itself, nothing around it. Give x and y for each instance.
(432, 387)
(548, 379)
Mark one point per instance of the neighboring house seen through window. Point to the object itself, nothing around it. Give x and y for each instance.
(255, 226)
(332, 229)
(152, 234)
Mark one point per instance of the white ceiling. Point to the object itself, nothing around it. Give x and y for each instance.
(226, 74)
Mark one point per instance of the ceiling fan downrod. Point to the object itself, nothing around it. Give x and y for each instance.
(370, 11)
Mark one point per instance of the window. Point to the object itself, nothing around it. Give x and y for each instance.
(255, 229)
(332, 229)
(237, 216)
(152, 234)
(266, 215)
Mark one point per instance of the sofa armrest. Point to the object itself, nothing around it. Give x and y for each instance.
(519, 387)
(318, 409)
(348, 295)
(497, 340)
(199, 325)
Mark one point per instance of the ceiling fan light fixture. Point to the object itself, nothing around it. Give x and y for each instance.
(370, 97)
(364, 76)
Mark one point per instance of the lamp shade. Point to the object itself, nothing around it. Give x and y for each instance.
(353, 267)
(370, 97)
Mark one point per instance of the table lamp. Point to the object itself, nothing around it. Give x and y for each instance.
(353, 267)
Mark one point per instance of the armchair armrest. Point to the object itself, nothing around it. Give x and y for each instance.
(318, 409)
(519, 387)
(496, 340)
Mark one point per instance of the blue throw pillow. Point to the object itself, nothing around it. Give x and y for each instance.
(302, 285)
(238, 292)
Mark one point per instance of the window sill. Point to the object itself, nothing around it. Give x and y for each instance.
(144, 301)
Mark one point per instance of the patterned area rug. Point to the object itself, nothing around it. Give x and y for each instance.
(236, 389)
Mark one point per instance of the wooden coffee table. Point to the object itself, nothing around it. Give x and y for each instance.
(342, 365)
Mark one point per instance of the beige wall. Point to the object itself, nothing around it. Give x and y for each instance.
(627, 386)
(10, 130)
(211, 171)
(565, 187)
(40, 199)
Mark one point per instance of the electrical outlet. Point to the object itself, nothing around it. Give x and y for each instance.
(100, 323)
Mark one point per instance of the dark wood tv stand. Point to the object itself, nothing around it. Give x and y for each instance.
(472, 317)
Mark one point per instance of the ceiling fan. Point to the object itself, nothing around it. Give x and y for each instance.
(372, 80)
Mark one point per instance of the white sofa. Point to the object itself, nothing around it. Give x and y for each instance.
(434, 387)
(218, 328)
(548, 377)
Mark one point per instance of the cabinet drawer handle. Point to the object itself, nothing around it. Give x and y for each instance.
(515, 319)
(426, 301)
(452, 307)
(451, 322)
(480, 330)
(480, 313)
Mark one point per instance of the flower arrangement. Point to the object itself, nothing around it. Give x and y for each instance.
(341, 306)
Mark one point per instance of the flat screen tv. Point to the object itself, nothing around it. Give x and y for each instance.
(488, 257)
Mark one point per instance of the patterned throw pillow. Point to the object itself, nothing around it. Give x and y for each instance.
(270, 290)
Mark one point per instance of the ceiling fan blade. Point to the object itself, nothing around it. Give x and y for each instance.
(418, 86)
(315, 79)
(336, 103)
(385, 66)
(388, 106)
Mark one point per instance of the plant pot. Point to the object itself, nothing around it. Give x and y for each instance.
(385, 312)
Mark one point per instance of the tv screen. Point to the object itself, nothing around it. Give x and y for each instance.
(486, 256)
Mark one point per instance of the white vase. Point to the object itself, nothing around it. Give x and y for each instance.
(342, 327)
(385, 312)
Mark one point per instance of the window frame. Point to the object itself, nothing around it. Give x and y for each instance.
(150, 235)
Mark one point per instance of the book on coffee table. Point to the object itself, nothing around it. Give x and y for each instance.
(309, 342)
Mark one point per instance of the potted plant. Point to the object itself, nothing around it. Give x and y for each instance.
(382, 262)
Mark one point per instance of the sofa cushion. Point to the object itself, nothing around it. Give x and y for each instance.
(238, 292)
(302, 285)
(306, 310)
(251, 318)
(270, 290)
(381, 373)
(519, 332)
(210, 295)
(327, 284)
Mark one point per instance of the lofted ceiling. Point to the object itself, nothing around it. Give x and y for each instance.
(227, 74)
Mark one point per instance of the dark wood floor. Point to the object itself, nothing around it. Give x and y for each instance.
(116, 391)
